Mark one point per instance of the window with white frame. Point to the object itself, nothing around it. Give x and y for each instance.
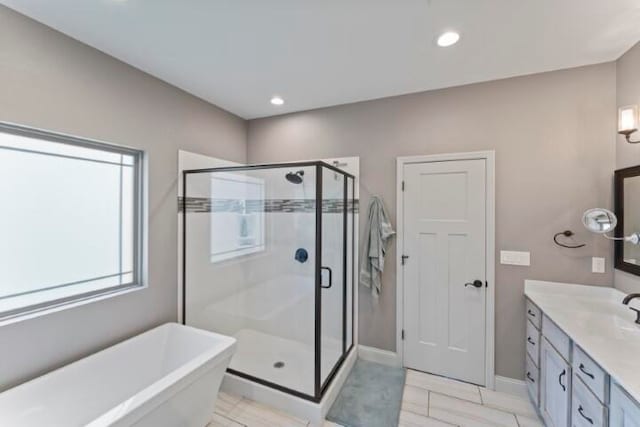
(70, 222)
(237, 216)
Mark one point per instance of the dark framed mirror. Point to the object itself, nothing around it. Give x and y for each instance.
(627, 209)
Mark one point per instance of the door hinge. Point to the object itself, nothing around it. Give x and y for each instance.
(486, 284)
(402, 185)
(404, 259)
(402, 334)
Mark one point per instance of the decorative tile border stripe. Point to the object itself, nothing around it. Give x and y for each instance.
(205, 204)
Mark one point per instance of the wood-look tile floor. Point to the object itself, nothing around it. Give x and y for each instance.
(236, 411)
(427, 401)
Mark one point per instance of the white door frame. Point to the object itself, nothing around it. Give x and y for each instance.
(489, 156)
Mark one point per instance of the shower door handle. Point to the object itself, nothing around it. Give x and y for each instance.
(330, 277)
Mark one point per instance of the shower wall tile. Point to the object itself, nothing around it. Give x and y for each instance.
(206, 204)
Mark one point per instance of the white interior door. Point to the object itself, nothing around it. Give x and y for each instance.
(444, 208)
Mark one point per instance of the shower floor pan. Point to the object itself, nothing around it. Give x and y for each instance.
(257, 353)
(284, 362)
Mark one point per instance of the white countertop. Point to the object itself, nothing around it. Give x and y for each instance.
(595, 319)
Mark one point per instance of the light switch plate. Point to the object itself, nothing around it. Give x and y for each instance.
(597, 265)
(515, 258)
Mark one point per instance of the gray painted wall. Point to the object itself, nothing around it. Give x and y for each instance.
(53, 82)
(628, 92)
(554, 136)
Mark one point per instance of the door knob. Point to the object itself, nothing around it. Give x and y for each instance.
(476, 283)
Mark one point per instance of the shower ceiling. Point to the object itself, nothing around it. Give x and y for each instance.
(240, 54)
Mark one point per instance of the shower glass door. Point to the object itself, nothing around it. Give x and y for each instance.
(250, 268)
(333, 285)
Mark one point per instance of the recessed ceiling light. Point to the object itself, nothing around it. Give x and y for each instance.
(276, 100)
(448, 39)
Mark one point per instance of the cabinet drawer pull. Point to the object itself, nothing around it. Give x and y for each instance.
(530, 377)
(531, 313)
(531, 341)
(581, 412)
(584, 371)
(563, 373)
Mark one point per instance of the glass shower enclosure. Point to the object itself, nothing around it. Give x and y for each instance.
(268, 254)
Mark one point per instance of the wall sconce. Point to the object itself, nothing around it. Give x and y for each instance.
(628, 122)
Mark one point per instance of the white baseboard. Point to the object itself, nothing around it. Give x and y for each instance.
(511, 386)
(384, 357)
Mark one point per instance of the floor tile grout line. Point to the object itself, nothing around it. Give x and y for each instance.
(431, 418)
(429, 410)
(444, 393)
(480, 395)
(531, 414)
(446, 379)
(231, 419)
(462, 383)
(443, 421)
(233, 405)
(474, 403)
(275, 411)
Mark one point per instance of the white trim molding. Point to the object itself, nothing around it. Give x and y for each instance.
(377, 355)
(489, 156)
(511, 386)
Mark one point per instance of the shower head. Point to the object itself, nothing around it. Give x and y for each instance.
(295, 177)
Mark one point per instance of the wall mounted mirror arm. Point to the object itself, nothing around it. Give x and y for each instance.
(603, 221)
(632, 238)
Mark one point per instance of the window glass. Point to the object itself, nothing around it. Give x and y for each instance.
(69, 222)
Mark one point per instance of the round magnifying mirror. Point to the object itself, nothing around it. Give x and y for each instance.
(599, 220)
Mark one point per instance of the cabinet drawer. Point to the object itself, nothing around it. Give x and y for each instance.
(556, 337)
(534, 314)
(533, 343)
(586, 409)
(590, 373)
(532, 378)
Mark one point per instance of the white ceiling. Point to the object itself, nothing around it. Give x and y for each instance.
(238, 53)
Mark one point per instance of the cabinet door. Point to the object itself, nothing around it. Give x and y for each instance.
(555, 392)
(625, 412)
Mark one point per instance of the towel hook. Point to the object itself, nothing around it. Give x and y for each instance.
(566, 233)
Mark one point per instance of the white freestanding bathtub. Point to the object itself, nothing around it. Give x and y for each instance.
(168, 376)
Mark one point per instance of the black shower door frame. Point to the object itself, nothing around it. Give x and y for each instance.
(320, 387)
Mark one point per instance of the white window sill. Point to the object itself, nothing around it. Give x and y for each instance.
(10, 319)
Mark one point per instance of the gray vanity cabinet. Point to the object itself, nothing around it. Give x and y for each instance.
(569, 388)
(555, 386)
(565, 384)
(624, 411)
(532, 363)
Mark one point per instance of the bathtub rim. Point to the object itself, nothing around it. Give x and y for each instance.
(135, 406)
